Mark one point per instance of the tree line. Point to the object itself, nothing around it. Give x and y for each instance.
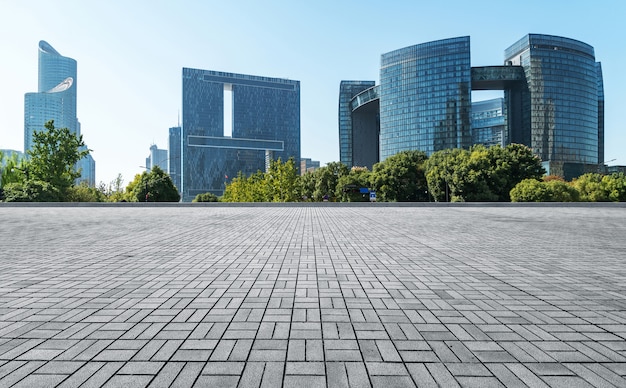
(510, 173)
(477, 174)
(48, 174)
(502, 174)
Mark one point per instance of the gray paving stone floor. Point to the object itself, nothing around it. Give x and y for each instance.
(319, 296)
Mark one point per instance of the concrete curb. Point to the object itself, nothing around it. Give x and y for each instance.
(314, 204)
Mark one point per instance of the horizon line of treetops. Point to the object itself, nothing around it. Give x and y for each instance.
(486, 174)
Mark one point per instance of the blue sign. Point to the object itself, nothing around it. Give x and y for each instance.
(372, 196)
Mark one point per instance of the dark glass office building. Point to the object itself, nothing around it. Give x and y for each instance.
(359, 123)
(265, 126)
(553, 102)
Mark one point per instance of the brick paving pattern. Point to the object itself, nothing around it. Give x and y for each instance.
(320, 296)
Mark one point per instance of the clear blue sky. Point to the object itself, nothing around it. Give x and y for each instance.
(130, 57)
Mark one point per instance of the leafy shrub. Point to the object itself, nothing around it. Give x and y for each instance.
(205, 197)
(530, 190)
(31, 191)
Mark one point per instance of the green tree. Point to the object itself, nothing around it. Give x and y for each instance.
(560, 191)
(438, 170)
(553, 190)
(84, 193)
(591, 188)
(348, 186)
(615, 186)
(530, 190)
(247, 189)
(401, 178)
(153, 186)
(115, 191)
(12, 169)
(480, 174)
(307, 185)
(509, 166)
(205, 197)
(32, 191)
(53, 157)
(470, 177)
(283, 181)
(443, 179)
(326, 179)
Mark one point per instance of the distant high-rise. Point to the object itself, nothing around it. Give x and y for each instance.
(55, 100)
(264, 114)
(157, 157)
(308, 165)
(87, 168)
(553, 102)
(175, 159)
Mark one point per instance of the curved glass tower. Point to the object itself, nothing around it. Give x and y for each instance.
(347, 91)
(425, 97)
(56, 97)
(562, 77)
(55, 100)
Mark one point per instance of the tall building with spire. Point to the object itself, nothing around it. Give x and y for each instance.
(55, 100)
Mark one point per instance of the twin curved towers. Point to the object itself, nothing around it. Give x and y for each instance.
(553, 102)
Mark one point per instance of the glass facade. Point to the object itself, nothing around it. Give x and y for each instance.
(87, 168)
(553, 101)
(600, 112)
(56, 96)
(55, 100)
(347, 91)
(488, 122)
(563, 84)
(175, 155)
(425, 97)
(366, 128)
(265, 113)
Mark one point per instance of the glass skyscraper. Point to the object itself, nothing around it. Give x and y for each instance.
(425, 97)
(56, 96)
(600, 113)
(55, 100)
(265, 120)
(563, 82)
(175, 144)
(553, 102)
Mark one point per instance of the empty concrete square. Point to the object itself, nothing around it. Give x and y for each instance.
(319, 295)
